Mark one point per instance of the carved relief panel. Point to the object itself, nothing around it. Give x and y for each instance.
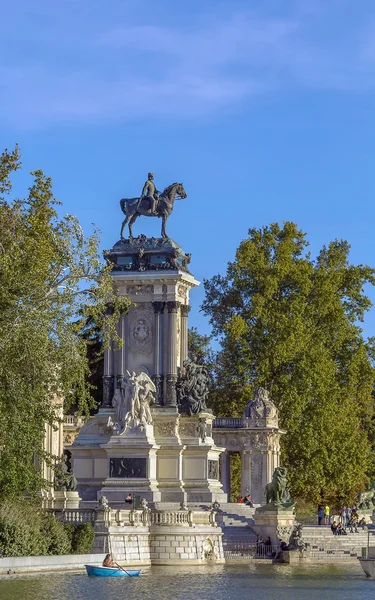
(141, 330)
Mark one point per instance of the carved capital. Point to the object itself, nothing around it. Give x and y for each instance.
(171, 399)
(173, 306)
(185, 309)
(158, 307)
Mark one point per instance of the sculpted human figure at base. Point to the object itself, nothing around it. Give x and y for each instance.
(133, 401)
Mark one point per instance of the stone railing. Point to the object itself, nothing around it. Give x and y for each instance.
(183, 518)
(75, 515)
(72, 421)
(175, 517)
(142, 518)
(228, 422)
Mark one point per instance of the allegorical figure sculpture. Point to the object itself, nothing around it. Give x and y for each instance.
(132, 402)
(277, 492)
(65, 479)
(151, 204)
(193, 388)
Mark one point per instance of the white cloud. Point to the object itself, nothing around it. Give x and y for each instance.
(95, 70)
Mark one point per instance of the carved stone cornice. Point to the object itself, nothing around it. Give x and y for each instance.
(172, 306)
(185, 309)
(158, 307)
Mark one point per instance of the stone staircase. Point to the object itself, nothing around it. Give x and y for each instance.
(321, 544)
(239, 538)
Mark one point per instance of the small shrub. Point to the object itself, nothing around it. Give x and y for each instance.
(59, 541)
(82, 539)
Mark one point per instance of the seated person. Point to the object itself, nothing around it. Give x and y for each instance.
(129, 499)
(283, 546)
(108, 562)
(362, 523)
(248, 501)
(334, 528)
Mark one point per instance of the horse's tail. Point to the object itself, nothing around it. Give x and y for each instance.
(123, 203)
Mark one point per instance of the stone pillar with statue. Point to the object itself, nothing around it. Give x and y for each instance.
(152, 436)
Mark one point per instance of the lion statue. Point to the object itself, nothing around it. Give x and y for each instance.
(366, 500)
(277, 491)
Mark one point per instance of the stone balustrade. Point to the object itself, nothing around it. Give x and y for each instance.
(229, 423)
(169, 518)
(75, 515)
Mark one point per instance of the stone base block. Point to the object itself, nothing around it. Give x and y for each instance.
(271, 521)
(63, 500)
(179, 545)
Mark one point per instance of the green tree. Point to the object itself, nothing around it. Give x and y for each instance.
(199, 348)
(290, 324)
(52, 280)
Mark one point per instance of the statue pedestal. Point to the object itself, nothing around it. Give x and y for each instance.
(200, 459)
(131, 463)
(176, 460)
(276, 522)
(66, 500)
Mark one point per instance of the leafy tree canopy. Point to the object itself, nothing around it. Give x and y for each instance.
(52, 281)
(291, 324)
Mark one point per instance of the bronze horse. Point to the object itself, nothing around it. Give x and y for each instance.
(134, 207)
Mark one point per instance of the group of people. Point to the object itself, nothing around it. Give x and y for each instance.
(264, 548)
(348, 520)
(246, 500)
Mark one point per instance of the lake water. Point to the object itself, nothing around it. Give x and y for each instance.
(254, 582)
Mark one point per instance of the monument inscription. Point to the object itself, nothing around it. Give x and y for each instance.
(128, 467)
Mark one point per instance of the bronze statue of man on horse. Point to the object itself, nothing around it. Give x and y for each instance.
(151, 203)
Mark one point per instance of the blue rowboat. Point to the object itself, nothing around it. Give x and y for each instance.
(111, 571)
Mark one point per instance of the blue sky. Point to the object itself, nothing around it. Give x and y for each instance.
(264, 109)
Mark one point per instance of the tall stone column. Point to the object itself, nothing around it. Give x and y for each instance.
(121, 353)
(225, 472)
(184, 333)
(158, 351)
(246, 472)
(171, 396)
(108, 373)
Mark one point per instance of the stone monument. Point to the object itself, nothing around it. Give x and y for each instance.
(152, 436)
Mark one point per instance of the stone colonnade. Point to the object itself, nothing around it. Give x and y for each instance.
(154, 334)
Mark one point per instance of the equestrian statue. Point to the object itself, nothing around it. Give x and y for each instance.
(151, 203)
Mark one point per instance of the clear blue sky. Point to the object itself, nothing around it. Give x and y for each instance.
(264, 109)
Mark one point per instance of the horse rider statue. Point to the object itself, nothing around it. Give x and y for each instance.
(150, 191)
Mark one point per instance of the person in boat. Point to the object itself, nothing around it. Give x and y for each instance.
(108, 562)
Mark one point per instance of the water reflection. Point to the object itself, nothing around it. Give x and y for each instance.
(253, 582)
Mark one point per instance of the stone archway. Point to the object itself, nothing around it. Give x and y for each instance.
(256, 436)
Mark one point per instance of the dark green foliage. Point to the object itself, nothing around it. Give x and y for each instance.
(52, 283)
(57, 537)
(290, 324)
(28, 530)
(82, 539)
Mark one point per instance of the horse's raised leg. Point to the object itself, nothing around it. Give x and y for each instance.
(132, 220)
